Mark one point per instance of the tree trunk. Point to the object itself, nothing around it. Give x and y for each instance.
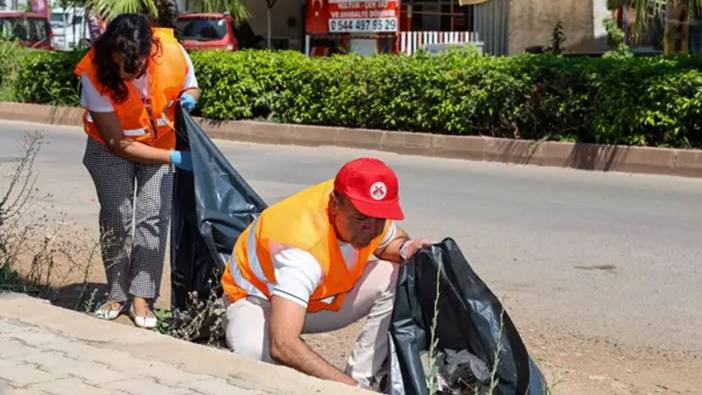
(268, 21)
(270, 4)
(677, 29)
(668, 39)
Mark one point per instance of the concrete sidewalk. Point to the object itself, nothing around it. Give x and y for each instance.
(48, 349)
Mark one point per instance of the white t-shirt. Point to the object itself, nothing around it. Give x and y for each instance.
(298, 273)
(94, 101)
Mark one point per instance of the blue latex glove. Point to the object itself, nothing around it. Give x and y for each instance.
(188, 102)
(182, 160)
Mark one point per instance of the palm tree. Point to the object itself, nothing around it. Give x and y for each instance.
(235, 8)
(109, 9)
(675, 13)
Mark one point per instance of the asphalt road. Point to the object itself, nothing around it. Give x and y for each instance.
(608, 256)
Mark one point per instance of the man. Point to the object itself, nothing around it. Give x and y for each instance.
(303, 267)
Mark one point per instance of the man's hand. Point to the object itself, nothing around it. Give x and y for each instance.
(401, 247)
(284, 328)
(410, 247)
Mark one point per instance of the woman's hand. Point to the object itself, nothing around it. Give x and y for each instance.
(188, 102)
(182, 160)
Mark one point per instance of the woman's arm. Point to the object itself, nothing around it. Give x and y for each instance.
(111, 132)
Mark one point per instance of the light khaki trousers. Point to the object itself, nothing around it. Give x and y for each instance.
(246, 322)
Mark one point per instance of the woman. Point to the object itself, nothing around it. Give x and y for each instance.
(131, 80)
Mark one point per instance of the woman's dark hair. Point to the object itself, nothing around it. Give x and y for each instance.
(130, 35)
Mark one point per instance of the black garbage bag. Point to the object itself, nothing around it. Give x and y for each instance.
(212, 205)
(471, 323)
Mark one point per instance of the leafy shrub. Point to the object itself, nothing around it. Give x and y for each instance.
(47, 77)
(619, 100)
(616, 41)
(10, 62)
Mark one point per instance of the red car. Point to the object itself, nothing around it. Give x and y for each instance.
(214, 31)
(31, 30)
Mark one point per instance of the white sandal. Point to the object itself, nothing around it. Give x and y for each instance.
(107, 312)
(142, 321)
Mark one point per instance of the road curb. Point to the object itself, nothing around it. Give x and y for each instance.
(649, 160)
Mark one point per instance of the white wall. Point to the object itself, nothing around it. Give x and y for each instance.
(531, 23)
(599, 14)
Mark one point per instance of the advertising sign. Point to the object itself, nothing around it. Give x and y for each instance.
(352, 16)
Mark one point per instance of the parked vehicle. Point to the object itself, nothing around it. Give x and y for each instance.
(215, 31)
(29, 29)
(68, 27)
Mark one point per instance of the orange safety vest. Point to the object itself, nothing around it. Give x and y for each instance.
(167, 72)
(300, 221)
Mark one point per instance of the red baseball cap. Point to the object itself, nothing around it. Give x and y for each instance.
(372, 188)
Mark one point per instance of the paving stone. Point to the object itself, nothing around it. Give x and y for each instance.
(74, 348)
(113, 359)
(47, 360)
(165, 374)
(5, 387)
(24, 374)
(77, 354)
(218, 386)
(22, 391)
(36, 338)
(7, 328)
(13, 349)
(8, 363)
(143, 385)
(92, 372)
(67, 386)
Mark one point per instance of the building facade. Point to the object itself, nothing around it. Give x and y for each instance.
(14, 4)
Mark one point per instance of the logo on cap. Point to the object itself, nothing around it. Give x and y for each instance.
(378, 190)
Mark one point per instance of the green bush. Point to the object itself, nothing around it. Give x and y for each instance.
(10, 61)
(620, 100)
(47, 77)
(639, 101)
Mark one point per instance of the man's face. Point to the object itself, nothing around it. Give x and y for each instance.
(351, 225)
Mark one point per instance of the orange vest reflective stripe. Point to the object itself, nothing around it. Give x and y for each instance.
(167, 71)
(300, 221)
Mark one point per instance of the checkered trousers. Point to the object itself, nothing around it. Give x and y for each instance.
(133, 229)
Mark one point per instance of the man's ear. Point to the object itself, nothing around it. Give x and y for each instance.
(333, 203)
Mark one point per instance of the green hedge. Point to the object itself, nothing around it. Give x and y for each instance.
(641, 101)
(39, 76)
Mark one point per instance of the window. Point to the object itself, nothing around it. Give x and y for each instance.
(24, 29)
(56, 17)
(14, 28)
(38, 29)
(438, 15)
(201, 29)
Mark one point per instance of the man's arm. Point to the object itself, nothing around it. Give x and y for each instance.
(284, 328)
(401, 247)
